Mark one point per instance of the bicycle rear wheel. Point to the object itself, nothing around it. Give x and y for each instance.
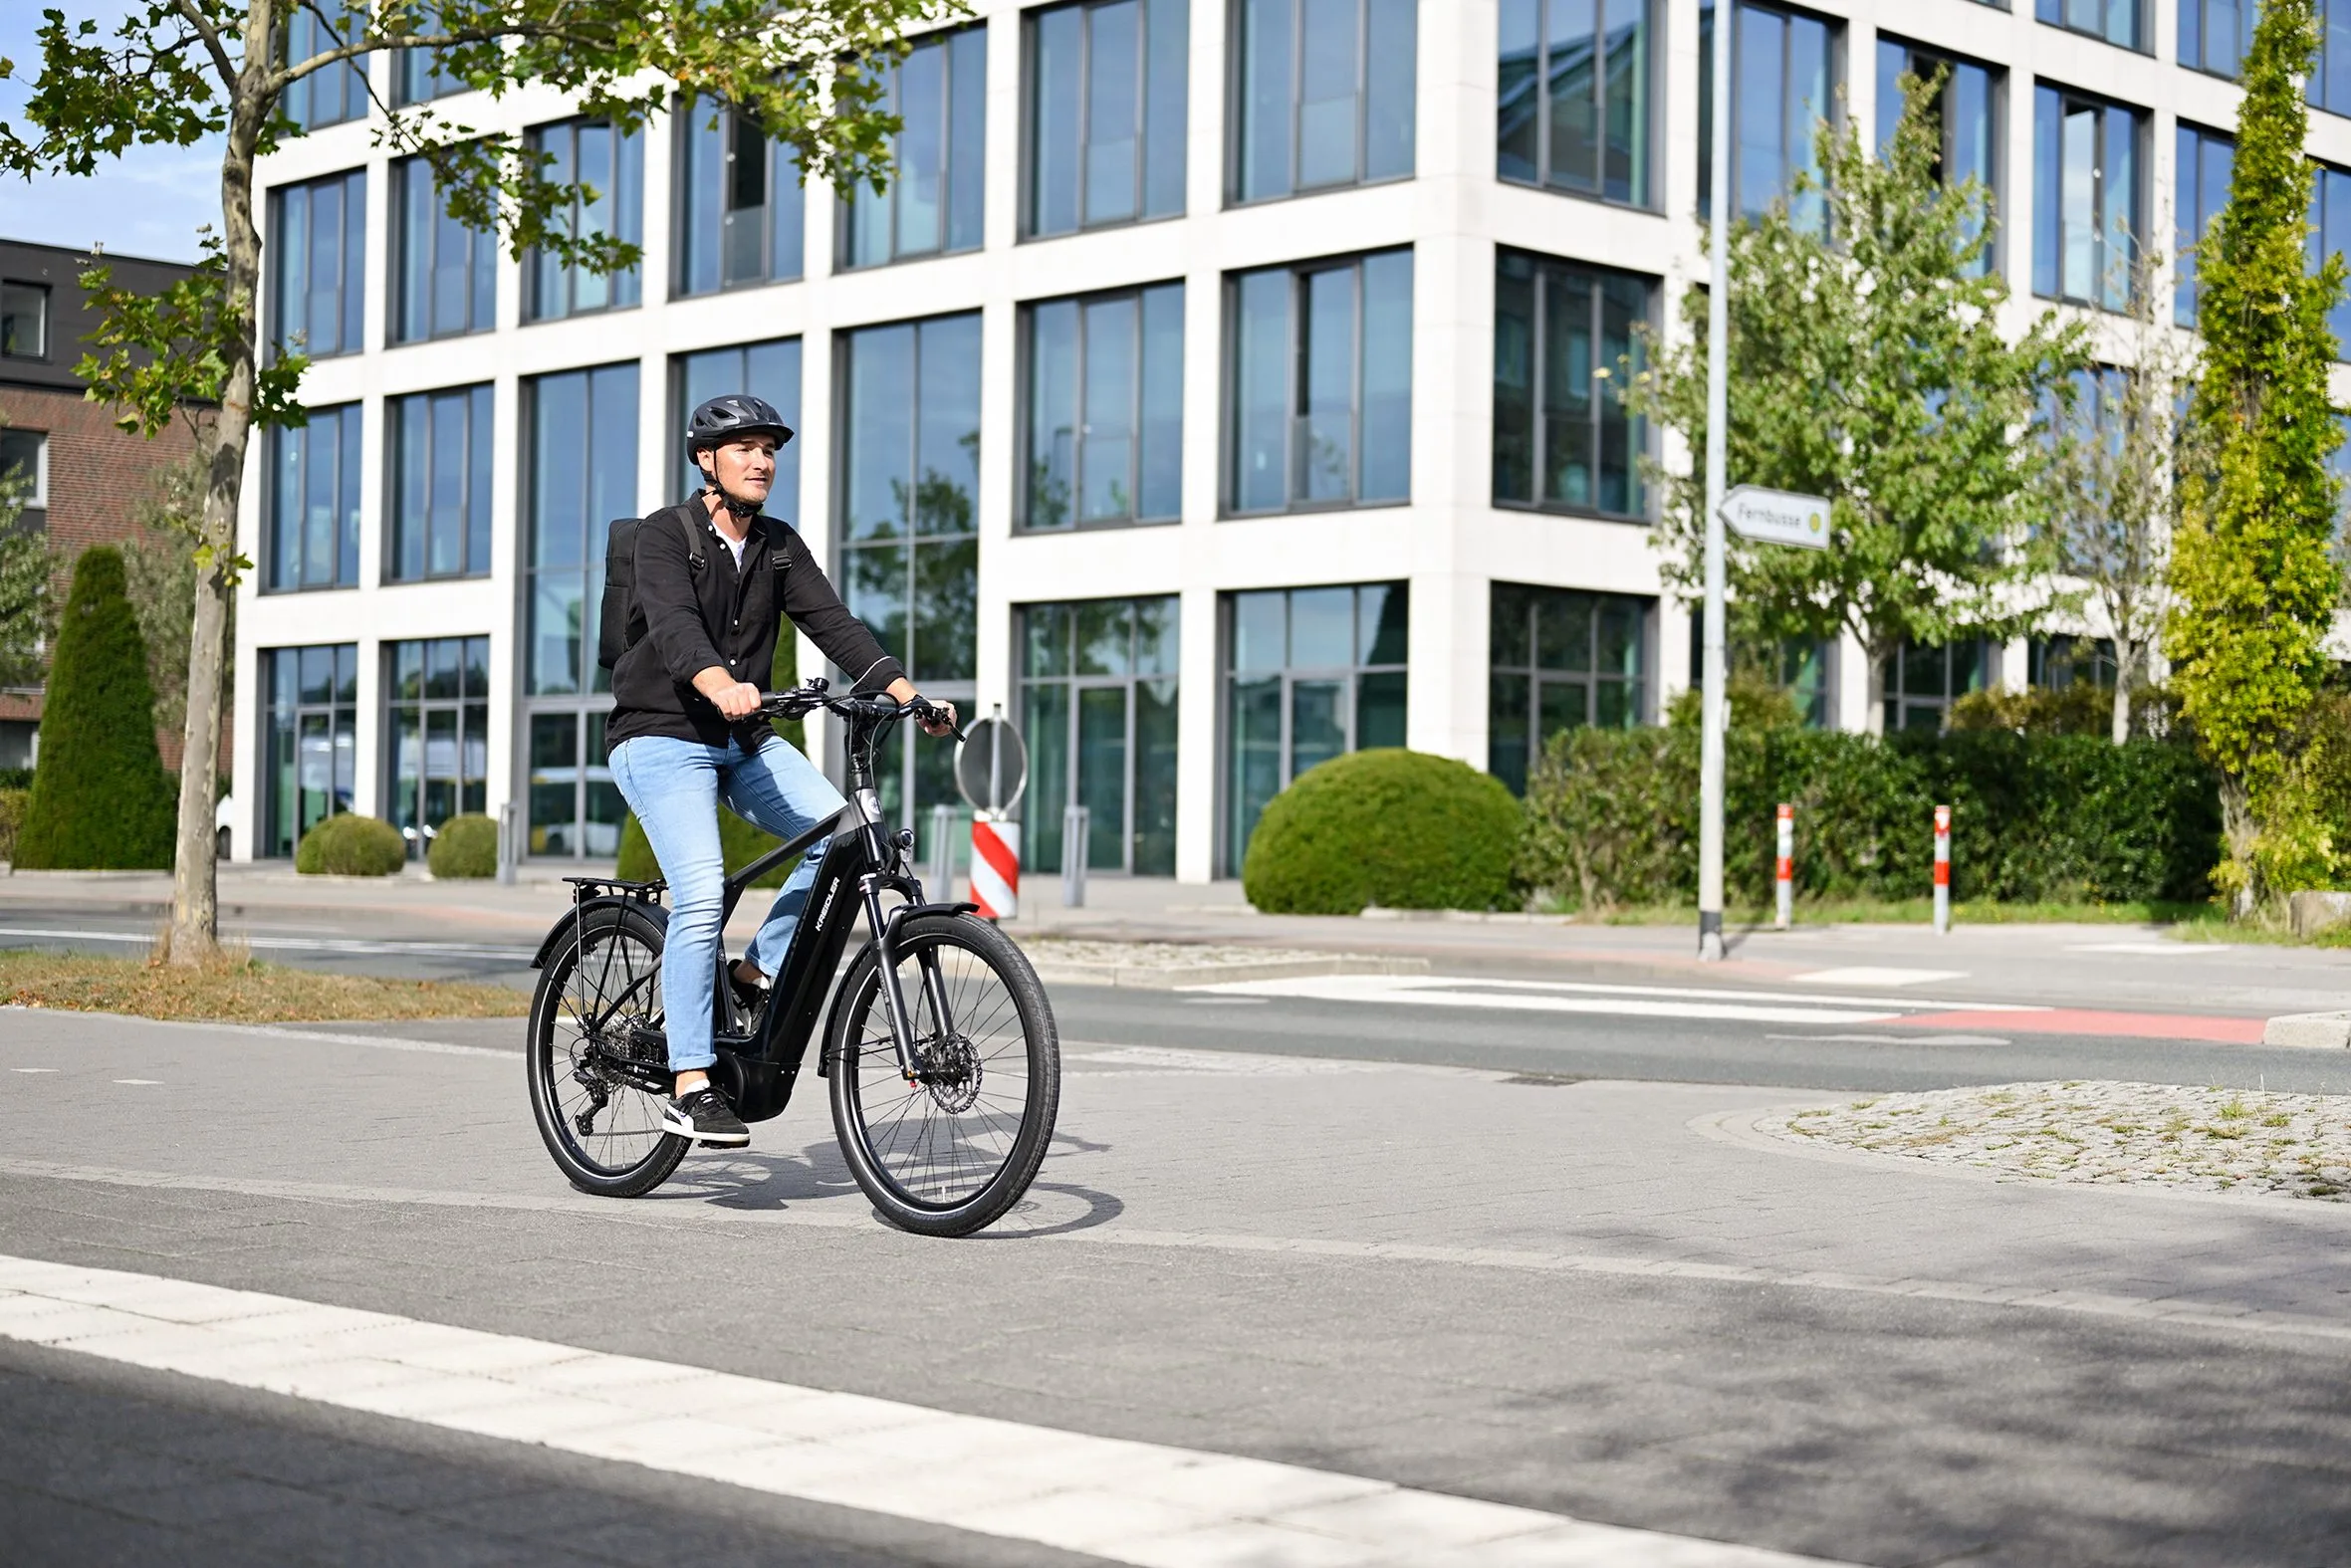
(595, 1045)
(951, 1152)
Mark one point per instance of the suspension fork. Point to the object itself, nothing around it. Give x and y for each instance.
(893, 994)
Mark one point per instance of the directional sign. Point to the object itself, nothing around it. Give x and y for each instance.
(992, 765)
(1778, 517)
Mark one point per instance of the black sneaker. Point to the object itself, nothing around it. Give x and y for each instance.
(705, 1117)
(748, 997)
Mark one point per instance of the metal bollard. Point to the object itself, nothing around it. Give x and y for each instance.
(1942, 869)
(510, 845)
(1074, 823)
(1784, 872)
(942, 848)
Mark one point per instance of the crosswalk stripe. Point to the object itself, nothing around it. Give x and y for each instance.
(1144, 1503)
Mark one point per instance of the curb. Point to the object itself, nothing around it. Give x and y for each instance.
(1140, 978)
(2326, 1030)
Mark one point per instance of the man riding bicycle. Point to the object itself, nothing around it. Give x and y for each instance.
(712, 574)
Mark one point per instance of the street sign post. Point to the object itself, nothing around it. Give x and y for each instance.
(992, 764)
(1778, 517)
(1713, 665)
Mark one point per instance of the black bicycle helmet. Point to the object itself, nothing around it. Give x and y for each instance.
(718, 420)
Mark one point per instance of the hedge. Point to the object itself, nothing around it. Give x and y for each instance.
(464, 846)
(11, 817)
(347, 845)
(1383, 826)
(739, 841)
(1612, 816)
(100, 798)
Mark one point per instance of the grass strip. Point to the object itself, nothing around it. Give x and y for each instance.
(2184, 918)
(233, 988)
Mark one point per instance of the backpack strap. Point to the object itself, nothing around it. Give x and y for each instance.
(694, 530)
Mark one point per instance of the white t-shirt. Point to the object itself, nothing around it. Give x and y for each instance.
(735, 544)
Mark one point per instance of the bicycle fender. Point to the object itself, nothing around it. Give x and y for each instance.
(658, 914)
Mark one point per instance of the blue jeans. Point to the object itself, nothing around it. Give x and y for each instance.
(674, 787)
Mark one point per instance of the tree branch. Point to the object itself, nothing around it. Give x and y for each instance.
(211, 38)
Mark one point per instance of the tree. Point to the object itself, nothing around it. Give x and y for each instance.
(2122, 442)
(2254, 579)
(159, 574)
(101, 797)
(810, 73)
(1867, 365)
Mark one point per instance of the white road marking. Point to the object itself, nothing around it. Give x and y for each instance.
(32, 1069)
(144, 1083)
(351, 945)
(1132, 1502)
(2151, 949)
(1161, 1060)
(274, 1032)
(1873, 975)
(1896, 1039)
(1559, 996)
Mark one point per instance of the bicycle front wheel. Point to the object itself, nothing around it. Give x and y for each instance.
(950, 1150)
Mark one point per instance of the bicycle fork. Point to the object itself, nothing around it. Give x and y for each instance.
(893, 994)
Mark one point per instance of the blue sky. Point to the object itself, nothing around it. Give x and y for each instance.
(149, 202)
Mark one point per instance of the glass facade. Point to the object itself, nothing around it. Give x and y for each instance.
(1561, 660)
(309, 742)
(1563, 346)
(2122, 22)
(741, 212)
(575, 808)
(769, 372)
(2330, 235)
(2086, 203)
(1309, 674)
(2059, 662)
(935, 202)
(438, 502)
(1104, 411)
(1967, 110)
(2329, 84)
(437, 734)
(318, 236)
(1922, 682)
(444, 275)
(1105, 123)
(418, 74)
(1577, 93)
(589, 153)
(314, 502)
(909, 550)
(338, 93)
(1322, 94)
(2206, 158)
(2214, 34)
(1321, 384)
(1786, 70)
(1098, 708)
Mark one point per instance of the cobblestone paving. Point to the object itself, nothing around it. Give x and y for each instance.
(2198, 1140)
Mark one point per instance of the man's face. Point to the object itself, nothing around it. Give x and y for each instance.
(744, 468)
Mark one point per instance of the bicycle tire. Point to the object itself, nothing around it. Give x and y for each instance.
(553, 1053)
(863, 1063)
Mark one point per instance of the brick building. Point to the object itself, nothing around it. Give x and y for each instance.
(84, 473)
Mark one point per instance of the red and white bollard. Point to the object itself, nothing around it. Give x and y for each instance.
(1783, 871)
(995, 867)
(1942, 869)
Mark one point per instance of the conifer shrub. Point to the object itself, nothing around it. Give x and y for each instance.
(347, 845)
(465, 847)
(100, 798)
(11, 818)
(1386, 826)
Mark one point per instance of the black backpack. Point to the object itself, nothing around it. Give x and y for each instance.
(621, 625)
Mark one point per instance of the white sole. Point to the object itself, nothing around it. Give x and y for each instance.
(684, 1129)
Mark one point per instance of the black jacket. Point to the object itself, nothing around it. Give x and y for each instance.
(695, 618)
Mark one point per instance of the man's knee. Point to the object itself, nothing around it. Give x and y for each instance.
(697, 904)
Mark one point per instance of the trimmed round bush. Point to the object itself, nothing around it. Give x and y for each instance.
(739, 843)
(347, 845)
(1398, 828)
(465, 847)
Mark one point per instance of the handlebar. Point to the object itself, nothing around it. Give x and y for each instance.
(878, 709)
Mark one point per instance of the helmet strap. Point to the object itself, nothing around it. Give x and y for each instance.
(744, 510)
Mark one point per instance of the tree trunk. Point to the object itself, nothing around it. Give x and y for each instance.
(2125, 656)
(2239, 831)
(1874, 720)
(195, 872)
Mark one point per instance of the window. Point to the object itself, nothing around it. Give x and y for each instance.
(1099, 706)
(740, 209)
(2085, 199)
(309, 740)
(908, 540)
(1802, 667)
(314, 502)
(933, 205)
(2059, 662)
(437, 734)
(2214, 34)
(24, 320)
(2330, 234)
(1321, 384)
(1577, 90)
(2120, 22)
(1106, 126)
(1561, 660)
(2329, 86)
(1563, 344)
(421, 75)
(1103, 413)
(319, 235)
(589, 153)
(1309, 674)
(1322, 94)
(1966, 107)
(445, 274)
(439, 496)
(769, 372)
(2206, 160)
(24, 468)
(1785, 89)
(579, 473)
(1922, 682)
(336, 93)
